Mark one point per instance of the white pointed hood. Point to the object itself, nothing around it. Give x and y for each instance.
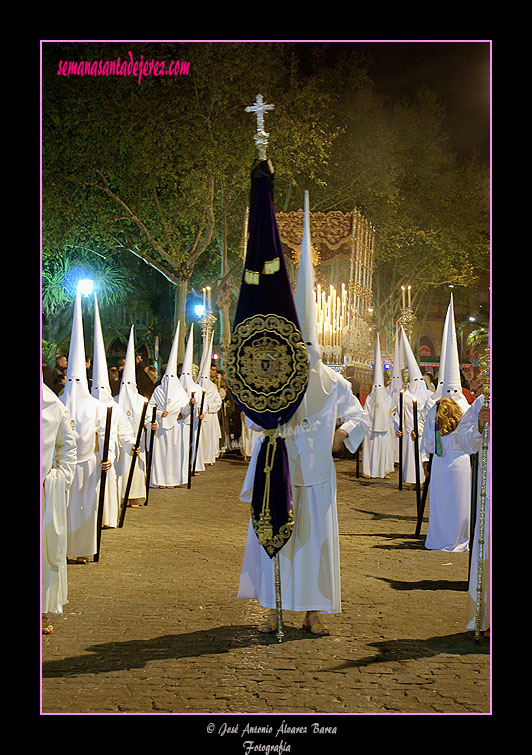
(304, 297)
(86, 412)
(212, 395)
(452, 385)
(170, 395)
(396, 383)
(441, 372)
(380, 398)
(101, 388)
(416, 385)
(186, 379)
(76, 386)
(320, 377)
(129, 398)
(205, 364)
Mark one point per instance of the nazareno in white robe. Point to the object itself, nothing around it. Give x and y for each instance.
(210, 432)
(58, 459)
(310, 560)
(470, 440)
(88, 416)
(132, 404)
(449, 489)
(409, 451)
(122, 442)
(167, 461)
(377, 450)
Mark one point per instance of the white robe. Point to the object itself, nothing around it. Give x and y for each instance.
(409, 451)
(310, 560)
(377, 450)
(89, 431)
(250, 436)
(167, 459)
(122, 442)
(210, 432)
(58, 459)
(449, 490)
(133, 403)
(470, 440)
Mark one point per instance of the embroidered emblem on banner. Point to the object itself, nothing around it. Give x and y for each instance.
(267, 365)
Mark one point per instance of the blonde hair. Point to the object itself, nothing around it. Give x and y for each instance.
(448, 415)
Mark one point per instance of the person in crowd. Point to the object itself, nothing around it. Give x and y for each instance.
(58, 459)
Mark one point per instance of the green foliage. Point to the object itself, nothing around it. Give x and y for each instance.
(160, 169)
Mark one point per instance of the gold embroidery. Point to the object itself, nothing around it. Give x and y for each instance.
(267, 365)
(272, 266)
(276, 541)
(251, 277)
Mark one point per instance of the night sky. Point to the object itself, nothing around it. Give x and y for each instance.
(458, 72)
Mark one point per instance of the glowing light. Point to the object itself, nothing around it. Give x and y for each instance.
(85, 286)
(216, 356)
(199, 309)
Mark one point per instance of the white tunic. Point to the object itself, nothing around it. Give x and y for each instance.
(449, 491)
(409, 451)
(210, 432)
(122, 442)
(310, 560)
(377, 451)
(167, 460)
(89, 431)
(132, 403)
(58, 458)
(470, 440)
(250, 436)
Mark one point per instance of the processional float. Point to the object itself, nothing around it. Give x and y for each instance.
(267, 366)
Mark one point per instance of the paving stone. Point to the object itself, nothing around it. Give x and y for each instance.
(155, 626)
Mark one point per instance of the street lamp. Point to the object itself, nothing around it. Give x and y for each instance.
(85, 286)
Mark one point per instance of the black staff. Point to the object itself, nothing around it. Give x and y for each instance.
(132, 466)
(103, 479)
(199, 429)
(416, 458)
(191, 443)
(401, 440)
(424, 497)
(474, 498)
(150, 456)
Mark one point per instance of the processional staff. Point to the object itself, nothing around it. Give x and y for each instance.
(424, 494)
(261, 140)
(132, 465)
(484, 460)
(474, 505)
(202, 403)
(103, 479)
(150, 455)
(400, 440)
(416, 458)
(191, 440)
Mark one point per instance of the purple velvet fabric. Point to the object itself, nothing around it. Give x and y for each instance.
(273, 295)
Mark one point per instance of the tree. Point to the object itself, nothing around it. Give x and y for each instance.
(153, 168)
(60, 276)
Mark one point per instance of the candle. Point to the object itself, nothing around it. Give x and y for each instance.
(209, 296)
(204, 298)
(409, 296)
(403, 290)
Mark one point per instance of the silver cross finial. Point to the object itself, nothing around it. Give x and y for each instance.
(261, 137)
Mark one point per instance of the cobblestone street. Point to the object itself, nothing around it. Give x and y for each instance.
(155, 626)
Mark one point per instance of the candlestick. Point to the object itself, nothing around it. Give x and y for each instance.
(409, 296)
(403, 290)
